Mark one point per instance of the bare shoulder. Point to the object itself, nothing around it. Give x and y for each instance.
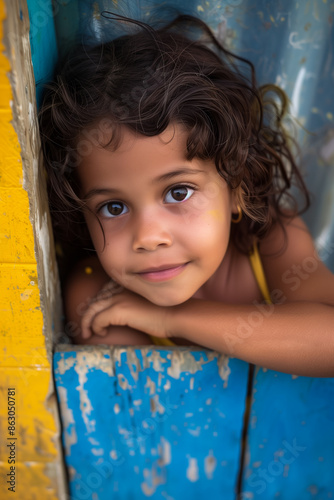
(293, 235)
(83, 283)
(293, 266)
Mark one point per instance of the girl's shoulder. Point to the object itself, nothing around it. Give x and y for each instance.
(292, 265)
(85, 280)
(234, 281)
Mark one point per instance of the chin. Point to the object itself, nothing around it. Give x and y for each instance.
(168, 301)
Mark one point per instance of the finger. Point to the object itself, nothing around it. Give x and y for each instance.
(89, 315)
(105, 318)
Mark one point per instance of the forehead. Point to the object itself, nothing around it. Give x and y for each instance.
(104, 133)
(134, 153)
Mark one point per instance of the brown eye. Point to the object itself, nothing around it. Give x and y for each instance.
(178, 194)
(113, 209)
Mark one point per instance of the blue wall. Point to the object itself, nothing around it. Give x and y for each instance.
(43, 43)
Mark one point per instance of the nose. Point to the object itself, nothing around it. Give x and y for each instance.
(150, 232)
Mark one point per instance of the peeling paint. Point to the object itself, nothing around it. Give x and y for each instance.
(152, 481)
(165, 451)
(192, 472)
(184, 361)
(81, 368)
(65, 364)
(70, 435)
(93, 441)
(195, 432)
(132, 361)
(167, 385)
(224, 369)
(144, 420)
(117, 408)
(210, 464)
(150, 385)
(97, 451)
(122, 381)
(158, 361)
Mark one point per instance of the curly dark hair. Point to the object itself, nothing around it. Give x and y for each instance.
(152, 78)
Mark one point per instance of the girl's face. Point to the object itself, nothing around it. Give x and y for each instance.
(166, 220)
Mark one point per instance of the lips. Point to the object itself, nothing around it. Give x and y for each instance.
(159, 268)
(162, 273)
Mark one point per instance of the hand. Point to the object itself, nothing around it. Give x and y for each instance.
(124, 308)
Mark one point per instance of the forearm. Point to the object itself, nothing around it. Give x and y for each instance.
(295, 338)
(116, 335)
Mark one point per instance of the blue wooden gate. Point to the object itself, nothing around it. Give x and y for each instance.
(155, 422)
(151, 422)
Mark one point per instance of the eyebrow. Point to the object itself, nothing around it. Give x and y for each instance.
(163, 177)
(175, 173)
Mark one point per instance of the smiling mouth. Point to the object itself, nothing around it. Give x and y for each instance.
(162, 274)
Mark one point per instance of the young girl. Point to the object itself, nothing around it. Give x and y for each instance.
(179, 168)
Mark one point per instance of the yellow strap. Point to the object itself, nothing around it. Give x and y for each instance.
(255, 261)
(161, 341)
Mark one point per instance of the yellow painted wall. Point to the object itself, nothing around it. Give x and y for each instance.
(24, 364)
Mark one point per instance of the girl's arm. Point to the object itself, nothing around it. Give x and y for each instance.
(295, 338)
(296, 335)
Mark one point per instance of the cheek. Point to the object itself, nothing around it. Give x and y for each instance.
(206, 237)
(112, 264)
(103, 234)
(96, 232)
(205, 221)
(214, 199)
(112, 253)
(213, 231)
(115, 264)
(215, 209)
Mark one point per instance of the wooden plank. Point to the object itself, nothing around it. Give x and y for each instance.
(150, 422)
(291, 438)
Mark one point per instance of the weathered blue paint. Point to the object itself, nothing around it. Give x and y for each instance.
(44, 52)
(290, 438)
(150, 422)
(162, 423)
